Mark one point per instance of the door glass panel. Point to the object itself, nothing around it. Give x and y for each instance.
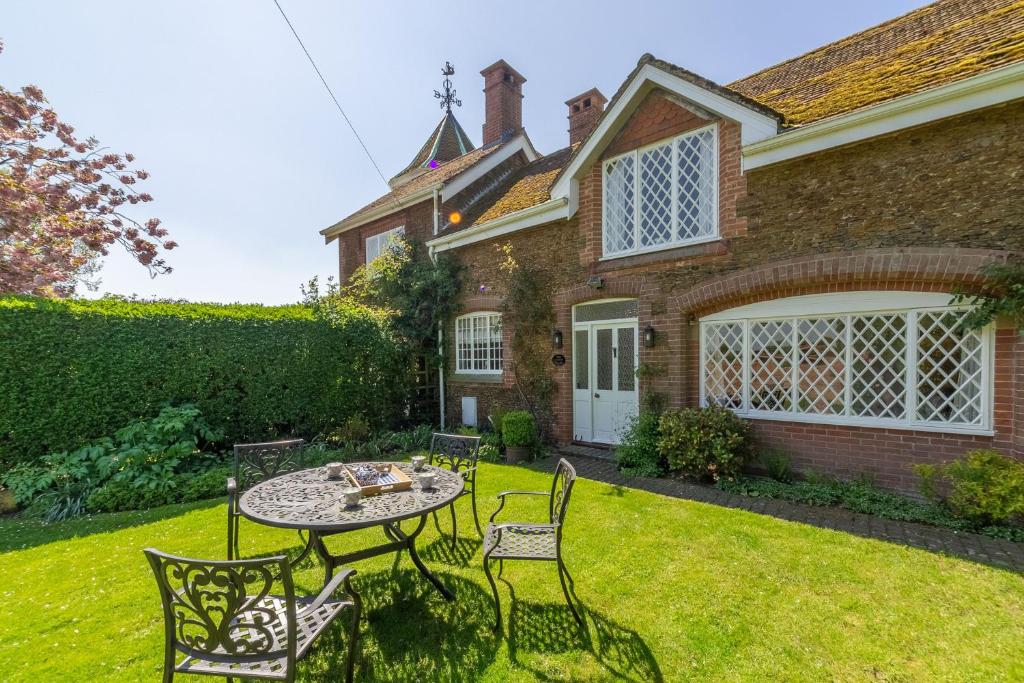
(607, 310)
(605, 360)
(581, 358)
(627, 359)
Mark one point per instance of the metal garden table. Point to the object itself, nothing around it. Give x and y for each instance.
(308, 500)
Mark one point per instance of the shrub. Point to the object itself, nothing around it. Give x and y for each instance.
(709, 442)
(518, 429)
(489, 453)
(209, 484)
(638, 454)
(355, 429)
(255, 372)
(778, 465)
(984, 486)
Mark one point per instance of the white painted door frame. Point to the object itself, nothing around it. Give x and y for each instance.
(585, 418)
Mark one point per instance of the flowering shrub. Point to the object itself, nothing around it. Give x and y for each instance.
(704, 443)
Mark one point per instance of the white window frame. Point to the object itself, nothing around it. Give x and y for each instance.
(381, 241)
(856, 304)
(465, 324)
(635, 153)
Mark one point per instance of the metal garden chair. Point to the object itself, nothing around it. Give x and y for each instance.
(255, 463)
(518, 541)
(458, 454)
(221, 617)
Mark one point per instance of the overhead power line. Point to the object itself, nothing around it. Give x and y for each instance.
(330, 92)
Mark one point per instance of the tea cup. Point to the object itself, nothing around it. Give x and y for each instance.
(418, 461)
(334, 470)
(352, 495)
(427, 480)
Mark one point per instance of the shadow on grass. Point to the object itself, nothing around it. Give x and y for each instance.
(549, 628)
(410, 633)
(441, 550)
(20, 533)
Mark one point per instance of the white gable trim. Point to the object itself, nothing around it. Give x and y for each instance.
(546, 212)
(754, 125)
(977, 92)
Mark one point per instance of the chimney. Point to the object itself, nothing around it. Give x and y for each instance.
(503, 101)
(584, 111)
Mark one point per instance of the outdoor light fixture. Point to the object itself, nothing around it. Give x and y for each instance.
(556, 339)
(649, 336)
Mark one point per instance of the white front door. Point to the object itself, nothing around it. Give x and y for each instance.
(605, 390)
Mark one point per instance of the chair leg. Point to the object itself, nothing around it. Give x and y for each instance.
(494, 590)
(231, 536)
(501, 567)
(353, 641)
(562, 573)
(476, 516)
(455, 526)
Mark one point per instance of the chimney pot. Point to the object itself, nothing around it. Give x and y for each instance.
(503, 101)
(584, 111)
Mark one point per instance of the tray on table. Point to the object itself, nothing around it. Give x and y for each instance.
(394, 479)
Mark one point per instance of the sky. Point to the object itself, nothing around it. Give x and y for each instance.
(248, 156)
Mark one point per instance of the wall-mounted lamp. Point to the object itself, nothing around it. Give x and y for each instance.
(649, 336)
(556, 339)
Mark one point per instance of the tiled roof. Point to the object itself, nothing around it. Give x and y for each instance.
(932, 46)
(447, 142)
(444, 172)
(528, 186)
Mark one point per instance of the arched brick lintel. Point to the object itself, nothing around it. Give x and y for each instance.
(909, 269)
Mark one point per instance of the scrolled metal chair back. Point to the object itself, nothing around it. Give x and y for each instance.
(561, 489)
(454, 451)
(215, 610)
(257, 462)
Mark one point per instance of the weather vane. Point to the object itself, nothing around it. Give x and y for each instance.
(448, 97)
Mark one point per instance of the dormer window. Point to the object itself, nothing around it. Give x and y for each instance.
(377, 244)
(663, 195)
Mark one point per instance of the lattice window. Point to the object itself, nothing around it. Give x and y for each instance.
(662, 196)
(723, 364)
(478, 347)
(913, 367)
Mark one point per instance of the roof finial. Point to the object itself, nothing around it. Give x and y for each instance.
(448, 97)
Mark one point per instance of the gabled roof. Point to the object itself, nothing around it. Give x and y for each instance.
(447, 142)
(938, 44)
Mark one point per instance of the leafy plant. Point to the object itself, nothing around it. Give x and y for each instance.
(985, 486)
(778, 465)
(638, 454)
(1004, 295)
(518, 429)
(709, 442)
(355, 429)
(489, 453)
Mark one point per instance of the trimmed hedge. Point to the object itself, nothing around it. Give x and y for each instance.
(74, 370)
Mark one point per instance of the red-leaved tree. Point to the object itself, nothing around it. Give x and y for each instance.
(62, 201)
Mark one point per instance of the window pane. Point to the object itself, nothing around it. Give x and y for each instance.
(627, 359)
(723, 364)
(656, 196)
(581, 358)
(821, 369)
(771, 365)
(606, 310)
(949, 370)
(878, 382)
(619, 205)
(697, 171)
(603, 339)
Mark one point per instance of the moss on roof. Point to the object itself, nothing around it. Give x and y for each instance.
(529, 186)
(929, 47)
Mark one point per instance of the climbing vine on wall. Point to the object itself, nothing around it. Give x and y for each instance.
(1003, 296)
(528, 308)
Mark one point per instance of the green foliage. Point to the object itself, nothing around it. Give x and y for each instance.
(142, 462)
(74, 370)
(709, 442)
(638, 454)
(1004, 295)
(518, 429)
(778, 464)
(489, 453)
(984, 486)
(865, 498)
(355, 429)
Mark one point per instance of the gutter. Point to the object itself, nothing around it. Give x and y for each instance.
(538, 214)
(386, 209)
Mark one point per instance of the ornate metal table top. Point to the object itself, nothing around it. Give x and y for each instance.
(308, 500)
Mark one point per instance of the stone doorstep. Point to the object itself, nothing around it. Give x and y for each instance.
(598, 464)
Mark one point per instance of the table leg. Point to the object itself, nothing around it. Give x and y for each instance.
(410, 543)
(325, 555)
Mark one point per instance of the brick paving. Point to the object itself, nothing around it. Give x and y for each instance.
(974, 547)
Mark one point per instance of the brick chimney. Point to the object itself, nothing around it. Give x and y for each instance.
(584, 111)
(503, 101)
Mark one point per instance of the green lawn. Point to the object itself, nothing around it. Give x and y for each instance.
(673, 590)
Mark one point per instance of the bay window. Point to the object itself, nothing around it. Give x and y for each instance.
(478, 348)
(663, 195)
(885, 362)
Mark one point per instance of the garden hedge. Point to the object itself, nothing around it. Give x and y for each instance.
(75, 370)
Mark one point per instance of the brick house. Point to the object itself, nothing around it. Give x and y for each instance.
(784, 245)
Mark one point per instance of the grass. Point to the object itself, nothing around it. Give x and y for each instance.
(673, 590)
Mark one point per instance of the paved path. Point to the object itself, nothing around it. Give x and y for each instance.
(991, 551)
